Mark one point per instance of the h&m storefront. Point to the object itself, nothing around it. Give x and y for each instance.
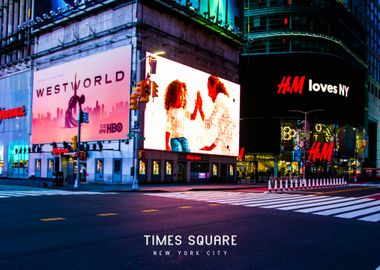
(15, 125)
(302, 111)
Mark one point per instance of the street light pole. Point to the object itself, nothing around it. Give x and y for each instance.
(136, 130)
(304, 135)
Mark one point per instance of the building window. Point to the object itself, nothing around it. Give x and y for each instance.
(168, 167)
(99, 166)
(156, 167)
(231, 169)
(214, 169)
(142, 167)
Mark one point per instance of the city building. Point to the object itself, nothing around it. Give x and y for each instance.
(122, 67)
(309, 84)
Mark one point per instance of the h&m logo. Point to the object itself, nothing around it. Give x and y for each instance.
(290, 84)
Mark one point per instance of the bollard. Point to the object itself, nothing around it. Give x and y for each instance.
(313, 183)
(286, 184)
(281, 184)
(275, 184)
(291, 184)
(270, 184)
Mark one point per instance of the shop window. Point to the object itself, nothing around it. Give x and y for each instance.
(38, 165)
(168, 167)
(142, 167)
(214, 169)
(117, 166)
(99, 166)
(50, 165)
(156, 167)
(231, 169)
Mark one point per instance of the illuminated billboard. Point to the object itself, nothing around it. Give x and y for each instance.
(225, 12)
(274, 85)
(45, 6)
(194, 112)
(98, 84)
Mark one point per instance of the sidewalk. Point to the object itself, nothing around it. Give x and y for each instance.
(164, 187)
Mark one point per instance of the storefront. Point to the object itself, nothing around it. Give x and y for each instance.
(15, 125)
(297, 116)
(159, 166)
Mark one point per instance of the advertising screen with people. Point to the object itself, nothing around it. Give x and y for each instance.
(194, 112)
(101, 90)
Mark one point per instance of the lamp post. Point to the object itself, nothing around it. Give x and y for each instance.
(304, 135)
(136, 130)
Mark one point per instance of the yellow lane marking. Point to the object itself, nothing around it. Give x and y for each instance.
(213, 204)
(346, 190)
(149, 210)
(107, 214)
(185, 207)
(52, 219)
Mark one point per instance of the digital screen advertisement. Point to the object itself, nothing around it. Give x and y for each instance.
(194, 112)
(303, 82)
(45, 6)
(101, 90)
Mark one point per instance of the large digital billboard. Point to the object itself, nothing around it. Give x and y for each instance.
(98, 84)
(194, 112)
(45, 6)
(275, 85)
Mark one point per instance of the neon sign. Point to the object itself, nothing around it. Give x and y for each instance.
(321, 151)
(58, 151)
(296, 84)
(12, 113)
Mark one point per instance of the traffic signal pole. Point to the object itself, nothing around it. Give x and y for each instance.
(76, 183)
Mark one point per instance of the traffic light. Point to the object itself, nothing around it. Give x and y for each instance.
(154, 89)
(137, 91)
(147, 85)
(146, 91)
(74, 142)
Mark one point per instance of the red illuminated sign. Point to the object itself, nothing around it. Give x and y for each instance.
(58, 151)
(321, 151)
(295, 84)
(193, 157)
(288, 85)
(12, 113)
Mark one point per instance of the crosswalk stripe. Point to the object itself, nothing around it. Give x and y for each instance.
(256, 200)
(332, 200)
(346, 209)
(288, 202)
(360, 212)
(44, 192)
(301, 202)
(325, 207)
(343, 207)
(263, 198)
(372, 218)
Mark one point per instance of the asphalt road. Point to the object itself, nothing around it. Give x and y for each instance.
(107, 232)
